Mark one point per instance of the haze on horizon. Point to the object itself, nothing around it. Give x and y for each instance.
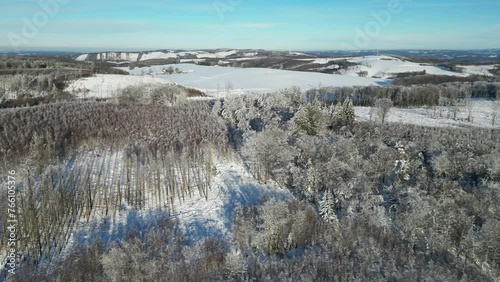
(248, 24)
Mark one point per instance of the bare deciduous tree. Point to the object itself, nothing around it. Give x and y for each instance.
(495, 111)
(382, 108)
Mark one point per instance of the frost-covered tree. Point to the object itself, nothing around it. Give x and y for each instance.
(495, 111)
(382, 108)
(327, 207)
(310, 119)
(343, 114)
(470, 106)
(269, 155)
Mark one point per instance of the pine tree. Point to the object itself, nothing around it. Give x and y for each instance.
(310, 119)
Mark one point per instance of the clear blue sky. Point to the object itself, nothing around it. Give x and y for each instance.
(276, 24)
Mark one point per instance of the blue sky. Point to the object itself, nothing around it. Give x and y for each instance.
(277, 25)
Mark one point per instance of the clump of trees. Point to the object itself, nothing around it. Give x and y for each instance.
(393, 177)
(65, 124)
(168, 95)
(408, 96)
(141, 156)
(276, 227)
(36, 80)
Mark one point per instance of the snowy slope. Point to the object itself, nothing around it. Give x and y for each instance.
(158, 55)
(199, 217)
(222, 54)
(213, 80)
(82, 57)
(478, 70)
(213, 216)
(386, 66)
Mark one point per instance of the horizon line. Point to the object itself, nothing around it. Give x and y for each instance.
(6, 50)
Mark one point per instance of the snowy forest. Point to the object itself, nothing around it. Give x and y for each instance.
(369, 200)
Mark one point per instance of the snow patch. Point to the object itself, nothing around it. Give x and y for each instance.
(158, 55)
(82, 57)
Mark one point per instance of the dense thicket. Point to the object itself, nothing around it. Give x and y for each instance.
(168, 95)
(433, 192)
(63, 124)
(76, 161)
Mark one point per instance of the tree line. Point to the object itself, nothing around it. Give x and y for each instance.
(408, 96)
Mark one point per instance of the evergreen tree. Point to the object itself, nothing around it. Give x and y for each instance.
(310, 119)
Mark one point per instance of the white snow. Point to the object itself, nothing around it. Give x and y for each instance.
(191, 60)
(320, 61)
(131, 57)
(222, 54)
(387, 66)
(231, 186)
(199, 216)
(213, 80)
(298, 54)
(158, 55)
(82, 57)
(478, 70)
(107, 85)
(437, 116)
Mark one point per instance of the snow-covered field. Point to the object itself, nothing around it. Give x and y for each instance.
(386, 66)
(214, 80)
(478, 70)
(438, 116)
(108, 85)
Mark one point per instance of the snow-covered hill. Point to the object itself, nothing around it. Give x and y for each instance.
(386, 66)
(214, 80)
(478, 70)
(127, 57)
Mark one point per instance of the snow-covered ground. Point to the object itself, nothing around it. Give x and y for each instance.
(318, 61)
(108, 85)
(213, 80)
(478, 70)
(158, 55)
(212, 216)
(82, 57)
(438, 116)
(199, 216)
(387, 66)
(222, 54)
